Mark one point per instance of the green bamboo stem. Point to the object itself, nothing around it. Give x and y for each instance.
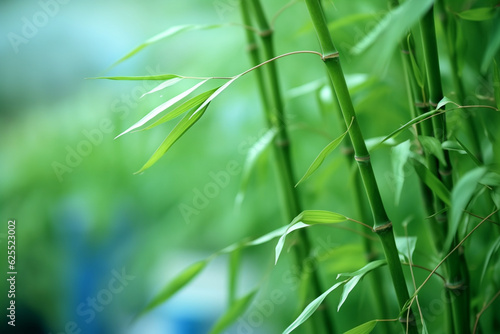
(381, 225)
(370, 251)
(275, 118)
(457, 281)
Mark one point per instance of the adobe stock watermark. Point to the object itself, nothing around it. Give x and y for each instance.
(255, 318)
(219, 180)
(225, 7)
(30, 26)
(96, 304)
(92, 138)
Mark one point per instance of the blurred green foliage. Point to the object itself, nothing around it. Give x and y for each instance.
(82, 215)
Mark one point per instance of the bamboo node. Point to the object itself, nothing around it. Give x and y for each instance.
(444, 172)
(382, 228)
(282, 143)
(252, 47)
(266, 33)
(365, 158)
(330, 56)
(455, 286)
(406, 320)
(432, 104)
(421, 105)
(347, 150)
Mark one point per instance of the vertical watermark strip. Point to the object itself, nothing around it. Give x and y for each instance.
(11, 272)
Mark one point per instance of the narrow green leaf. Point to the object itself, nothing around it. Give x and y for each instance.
(460, 197)
(258, 241)
(307, 218)
(234, 266)
(478, 14)
(417, 72)
(281, 241)
(181, 127)
(160, 108)
(444, 101)
(146, 77)
(167, 33)
(163, 85)
(214, 94)
(365, 328)
(432, 181)
(347, 290)
(175, 285)
(400, 154)
(194, 102)
(432, 145)
(494, 248)
(496, 82)
(366, 269)
(492, 47)
(356, 277)
(469, 153)
(311, 308)
(410, 123)
(322, 155)
(236, 310)
(391, 29)
(452, 145)
(406, 247)
(254, 153)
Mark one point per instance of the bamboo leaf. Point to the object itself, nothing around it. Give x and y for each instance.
(322, 155)
(452, 145)
(194, 102)
(365, 270)
(478, 14)
(145, 77)
(258, 241)
(253, 155)
(410, 123)
(391, 29)
(234, 265)
(417, 72)
(469, 153)
(175, 285)
(494, 248)
(161, 107)
(365, 328)
(496, 82)
(492, 48)
(432, 182)
(311, 308)
(163, 85)
(305, 219)
(460, 197)
(214, 94)
(406, 247)
(165, 34)
(236, 310)
(281, 241)
(444, 101)
(432, 145)
(400, 155)
(347, 290)
(172, 137)
(356, 277)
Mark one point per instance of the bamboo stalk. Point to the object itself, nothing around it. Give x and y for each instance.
(381, 224)
(457, 284)
(276, 118)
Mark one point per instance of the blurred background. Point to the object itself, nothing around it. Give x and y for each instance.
(94, 242)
